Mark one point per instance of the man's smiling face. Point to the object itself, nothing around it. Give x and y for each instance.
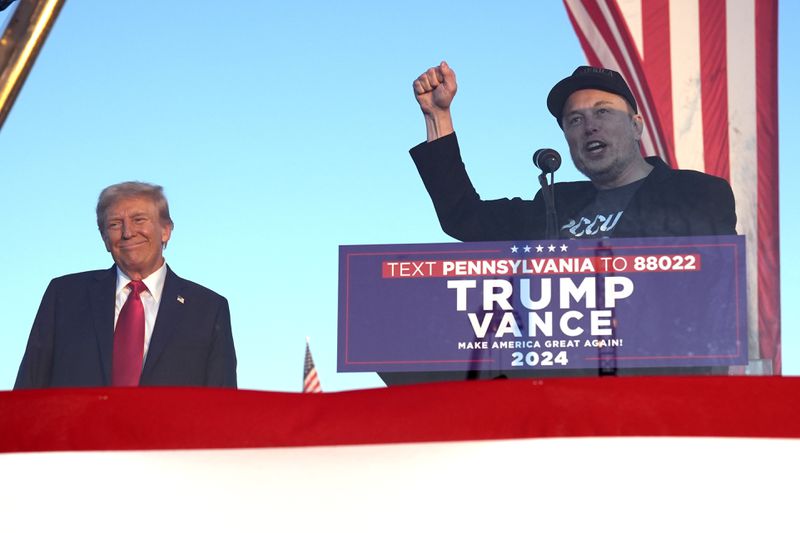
(135, 235)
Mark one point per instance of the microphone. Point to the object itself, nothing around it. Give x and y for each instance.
(547, 160)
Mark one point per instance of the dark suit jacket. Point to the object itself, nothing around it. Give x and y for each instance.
(669, 203)
(72, 337)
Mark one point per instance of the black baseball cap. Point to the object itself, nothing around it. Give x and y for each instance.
(587, 78)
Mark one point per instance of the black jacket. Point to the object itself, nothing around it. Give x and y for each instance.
(669, 203)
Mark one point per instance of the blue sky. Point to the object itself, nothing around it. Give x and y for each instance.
(280, 131)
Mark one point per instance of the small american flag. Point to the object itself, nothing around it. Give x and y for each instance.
(310, 377)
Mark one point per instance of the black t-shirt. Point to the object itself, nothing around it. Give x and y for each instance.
(599, 217)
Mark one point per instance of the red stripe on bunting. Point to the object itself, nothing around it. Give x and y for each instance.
(769, 296)
(148, 418)
(714, 87)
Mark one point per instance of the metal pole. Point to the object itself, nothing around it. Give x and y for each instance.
(22, 39)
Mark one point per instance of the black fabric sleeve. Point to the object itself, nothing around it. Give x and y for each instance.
(37, 364)
(222, 358)
(462, 214)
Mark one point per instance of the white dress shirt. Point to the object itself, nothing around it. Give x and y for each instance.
(150, 299)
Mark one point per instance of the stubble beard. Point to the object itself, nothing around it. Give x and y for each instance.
(601, 173)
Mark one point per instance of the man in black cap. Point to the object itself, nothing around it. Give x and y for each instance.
(628, 195)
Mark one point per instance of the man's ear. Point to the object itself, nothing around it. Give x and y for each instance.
(638, 126)
(166, 233)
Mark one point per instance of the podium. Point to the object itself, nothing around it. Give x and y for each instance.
(480, 310)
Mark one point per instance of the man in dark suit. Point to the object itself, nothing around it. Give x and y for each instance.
(136, 323)
(627, 195)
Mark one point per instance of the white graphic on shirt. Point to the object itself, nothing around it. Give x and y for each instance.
(602, 224)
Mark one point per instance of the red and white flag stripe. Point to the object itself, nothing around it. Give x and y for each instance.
(310, 377)
(705, 76)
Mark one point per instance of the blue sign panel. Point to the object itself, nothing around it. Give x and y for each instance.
(578, 304)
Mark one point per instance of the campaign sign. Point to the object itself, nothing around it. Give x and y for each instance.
(566, 304)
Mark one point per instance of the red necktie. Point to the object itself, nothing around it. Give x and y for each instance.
(126, 366)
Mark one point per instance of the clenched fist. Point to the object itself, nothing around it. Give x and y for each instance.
(434, 91)
(435, 88)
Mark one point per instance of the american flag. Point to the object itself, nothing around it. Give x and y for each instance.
(310, 377)
(705, 75)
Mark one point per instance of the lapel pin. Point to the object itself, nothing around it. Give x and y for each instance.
(180, 299)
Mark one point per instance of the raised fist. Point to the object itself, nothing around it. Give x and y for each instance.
(435, 89)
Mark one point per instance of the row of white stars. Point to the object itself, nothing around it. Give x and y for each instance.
(539, 249)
